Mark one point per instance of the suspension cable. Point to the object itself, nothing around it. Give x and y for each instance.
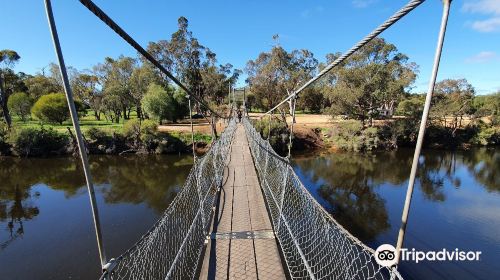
(394, 18)
(78, 132)
(118, 30)
(421, 131)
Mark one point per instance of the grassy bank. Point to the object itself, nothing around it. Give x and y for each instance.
(33, 138)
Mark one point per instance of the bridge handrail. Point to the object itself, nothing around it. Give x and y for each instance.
(171, 248)
(327, 249)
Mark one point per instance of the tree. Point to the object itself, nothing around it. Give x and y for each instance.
(194, 65)
(141, 78)
(52, 108)
(115, 76)
(7, 60)
(452, 98)
(40, 84)
(164, 103)
(85, 87)
(20, 104)
(274, 75)
(412, 106)
(372, 79)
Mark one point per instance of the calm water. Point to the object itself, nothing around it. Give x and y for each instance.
(46, 229)
(456, 204)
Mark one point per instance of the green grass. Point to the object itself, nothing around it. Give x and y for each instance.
(86, 122)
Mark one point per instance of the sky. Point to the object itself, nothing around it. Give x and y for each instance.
(239, 30)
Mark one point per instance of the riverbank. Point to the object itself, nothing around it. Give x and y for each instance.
(322, 133)
(134, 137)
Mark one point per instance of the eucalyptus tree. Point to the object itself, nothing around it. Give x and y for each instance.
(452, 98)
(86, 88)
(275, 74)
(114, 76)
(374, 78)
(8, 58)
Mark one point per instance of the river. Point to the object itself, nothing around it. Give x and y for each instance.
(456, 204)
(46, 229)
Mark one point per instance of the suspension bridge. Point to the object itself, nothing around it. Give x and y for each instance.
(243, 213)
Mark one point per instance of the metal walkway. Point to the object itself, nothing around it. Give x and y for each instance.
(242, 244)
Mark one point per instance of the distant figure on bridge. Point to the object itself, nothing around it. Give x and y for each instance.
(239, 115)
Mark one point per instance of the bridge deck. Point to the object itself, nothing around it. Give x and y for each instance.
(242, 244)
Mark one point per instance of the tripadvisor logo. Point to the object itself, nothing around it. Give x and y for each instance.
(385, 255)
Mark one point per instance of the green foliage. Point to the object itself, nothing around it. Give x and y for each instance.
(140, 130)
(373, 78)
(276, 72)
(95, 134)
(38, 142)
(4, 135)
(279, 136)
(352, 136)
(51, 108)
(20, 104)
(164, 103)
(411, 107)
(487, 136)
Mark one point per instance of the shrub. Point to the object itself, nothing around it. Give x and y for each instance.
(52, 108)
(137, 130)
(487, 136)
(4, 133)
(20, 104)
(279, 136)
(95, 134)
(38, 142)
(352, 136)
(164, 103)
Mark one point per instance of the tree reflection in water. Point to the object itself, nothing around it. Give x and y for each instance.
(347, 183)
(153, 180)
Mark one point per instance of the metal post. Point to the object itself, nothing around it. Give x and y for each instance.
(192, 129)
(294, 100)
(78, 132)
(421, 132)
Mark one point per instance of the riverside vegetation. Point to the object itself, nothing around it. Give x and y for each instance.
(122, 100)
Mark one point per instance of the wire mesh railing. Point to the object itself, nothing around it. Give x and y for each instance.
(172, 248)
(314, 245)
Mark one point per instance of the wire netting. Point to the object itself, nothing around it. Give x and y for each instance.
(314, 245)
(172, 248)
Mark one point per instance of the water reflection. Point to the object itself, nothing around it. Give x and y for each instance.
(152, 180)
(347, 184)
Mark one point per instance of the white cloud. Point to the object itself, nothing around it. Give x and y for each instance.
(482, 6)
(486, 7)
(488, 25)
(309, 12)
(362, 3)
(482, 57)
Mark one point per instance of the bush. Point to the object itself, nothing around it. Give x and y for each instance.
(140, 131)
(20, 104)
(279, 136)
(4, 133)
(52, 108)
(487, 136)
(352, 136)
(164, 103)
(95, 134)
(38, 142)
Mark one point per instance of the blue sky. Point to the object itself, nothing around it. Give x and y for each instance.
(239, 30)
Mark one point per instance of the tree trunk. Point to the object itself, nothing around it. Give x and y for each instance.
(3, 100)
(97, 115)
(124, 112)
(139, 112)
